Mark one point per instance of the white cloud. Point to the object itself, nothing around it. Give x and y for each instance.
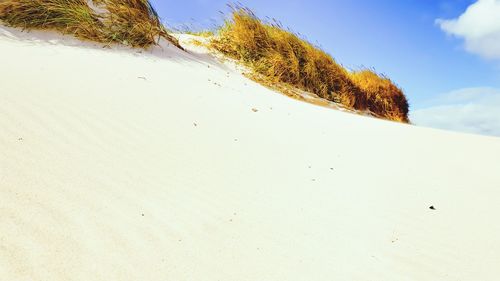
(479, 26)
(473, 110)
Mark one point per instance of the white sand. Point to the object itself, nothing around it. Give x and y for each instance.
(116, 165)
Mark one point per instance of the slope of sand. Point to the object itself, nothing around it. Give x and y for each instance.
(127, 165)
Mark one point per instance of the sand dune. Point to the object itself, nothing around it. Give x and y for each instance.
(165, 165)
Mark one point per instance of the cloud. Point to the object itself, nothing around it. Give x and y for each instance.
(479, 26)
(472, 110)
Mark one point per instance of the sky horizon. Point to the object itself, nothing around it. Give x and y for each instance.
(444, 54)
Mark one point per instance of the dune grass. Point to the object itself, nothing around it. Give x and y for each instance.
(134, 22)
(382, 95)
(283, 57)
(68, 16)
(129, 22)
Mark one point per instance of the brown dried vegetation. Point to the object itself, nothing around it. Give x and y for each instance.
(283, 57)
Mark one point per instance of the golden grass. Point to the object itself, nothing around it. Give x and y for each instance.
(132, 22)
(129, 22)
(202, 33)
(382, 95)
(283, 57)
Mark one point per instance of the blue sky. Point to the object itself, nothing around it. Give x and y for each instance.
(405, 39)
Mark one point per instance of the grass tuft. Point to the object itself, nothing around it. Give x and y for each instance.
(283, 57)
(67, 16)
(132, 22)
(382, 95)
(129, 22)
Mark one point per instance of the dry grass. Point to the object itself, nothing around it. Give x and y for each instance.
(200, 33)
(68, 16)
(382, 95)
(132, 22)
(129, 22)
(283, 57)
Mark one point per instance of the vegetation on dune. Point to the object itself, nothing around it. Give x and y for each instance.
(68, 16)
(202, 33)
(277, 56)
(283, 57)
(133, 21)
(382, 96)
(130, 22)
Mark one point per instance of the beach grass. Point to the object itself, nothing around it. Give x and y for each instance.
(382, 95)
(282, 56)
(129, 22)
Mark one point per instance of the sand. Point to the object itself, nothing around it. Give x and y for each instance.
(165, 165)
